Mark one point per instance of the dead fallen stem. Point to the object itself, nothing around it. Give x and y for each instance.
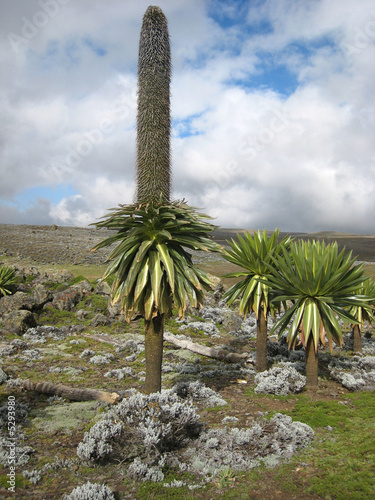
(71, 393)
(221, 354)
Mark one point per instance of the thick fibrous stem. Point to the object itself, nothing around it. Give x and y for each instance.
(311, 364)
(357, 340)
(154, 353)
(261, 343)
(153, 119)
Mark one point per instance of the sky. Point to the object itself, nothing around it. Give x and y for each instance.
(272, 105)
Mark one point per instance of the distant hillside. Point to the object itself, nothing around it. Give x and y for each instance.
(362, 246)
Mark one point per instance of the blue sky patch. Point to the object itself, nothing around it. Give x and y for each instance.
(186, 127)
(95, 47)
(54, 194)
(273, 77)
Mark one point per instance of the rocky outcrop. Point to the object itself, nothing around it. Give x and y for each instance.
(69, 298)
(18, 322)
(17, 312)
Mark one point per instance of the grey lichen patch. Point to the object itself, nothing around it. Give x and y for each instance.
(65, 416)
(58, 351)
(280, 380)
(90, 490)
(185, 354)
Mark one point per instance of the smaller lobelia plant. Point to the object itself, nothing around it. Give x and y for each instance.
(253, 254)
(322, 285)
(7, 280)
(363, 312)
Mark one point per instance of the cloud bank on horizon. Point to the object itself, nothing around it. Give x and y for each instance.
(272, 103)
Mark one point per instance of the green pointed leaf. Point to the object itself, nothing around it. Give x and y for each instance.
(156, 275)
(142, 280)
(168, 263)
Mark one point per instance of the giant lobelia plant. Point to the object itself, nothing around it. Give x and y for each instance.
(253, 253)
(362, 313)
(151, 264)
(322, 284)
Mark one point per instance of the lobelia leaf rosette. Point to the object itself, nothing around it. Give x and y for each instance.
(153, 269)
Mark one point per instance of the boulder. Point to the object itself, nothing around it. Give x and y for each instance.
(19, 300)
(69, 298)
(81, 314)
(100, 320)
(18, 321)
(41, 296)
(216, 281)
(114, 309)
(102, 288)
(232, 321)
(61, 276)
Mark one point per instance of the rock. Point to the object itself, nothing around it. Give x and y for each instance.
(114, 309)
(216, 281)
(41, 295)
(3, 376)
(100, 320)
(69, 298)
(81, 314)
(61, 276)
(83, 288)
(19, 300)
(232, 321)
(18, 321)
(64, 301)
(102, 288)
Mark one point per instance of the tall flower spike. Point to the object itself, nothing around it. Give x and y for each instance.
(153, 118)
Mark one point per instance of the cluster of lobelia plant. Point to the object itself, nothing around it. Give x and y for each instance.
(153, 270)
(253, 254)
(320, 284)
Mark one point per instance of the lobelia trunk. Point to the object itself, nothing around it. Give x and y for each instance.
(311, 364)
(357, 340)
(154, 329)
(261, 342)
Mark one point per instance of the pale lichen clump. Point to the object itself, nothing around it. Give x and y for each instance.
(280, 380)
(89, 491)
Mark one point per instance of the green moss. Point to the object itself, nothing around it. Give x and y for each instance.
(95, 303)
(19, 481)
(321, 413)
(55, 317)
(26, 280)
(77, 279)
(147, 489)
(226, 408)
(344, 457)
